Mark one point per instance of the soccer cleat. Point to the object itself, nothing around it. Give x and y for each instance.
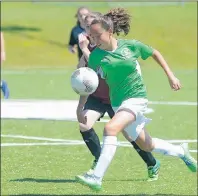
(190, 162)
(91, 181)
(153, 172)
(5, 89)
(90, 172)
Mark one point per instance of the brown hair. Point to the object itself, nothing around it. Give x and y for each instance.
(116, 19)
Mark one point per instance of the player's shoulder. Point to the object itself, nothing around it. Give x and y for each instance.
(77, 28)
(128, 41)
(96, 51)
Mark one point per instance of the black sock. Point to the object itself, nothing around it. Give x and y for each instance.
(146, 156)
(92, 141)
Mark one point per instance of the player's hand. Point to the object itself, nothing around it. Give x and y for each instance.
(73, 49)
(80, 116)
(175, 83)
(83, 41)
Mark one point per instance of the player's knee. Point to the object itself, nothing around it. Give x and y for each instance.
(147, 147)
(84, 127)
(110, 130)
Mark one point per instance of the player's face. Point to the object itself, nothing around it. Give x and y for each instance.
(88, 22)
(81, 16)
(100, 36)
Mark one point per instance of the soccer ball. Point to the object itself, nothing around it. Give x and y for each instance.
(84, 81)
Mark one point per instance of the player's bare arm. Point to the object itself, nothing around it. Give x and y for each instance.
(174, 82)
(83, 44)
(82, 62)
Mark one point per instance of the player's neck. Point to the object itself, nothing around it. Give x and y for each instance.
(113, 45)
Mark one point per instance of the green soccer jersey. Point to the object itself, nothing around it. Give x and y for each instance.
(121, 70)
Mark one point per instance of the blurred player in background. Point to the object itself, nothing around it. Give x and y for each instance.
(4, 86)
(94, 107)
(78, 29)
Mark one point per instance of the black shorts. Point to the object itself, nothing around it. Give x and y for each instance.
(96, 104)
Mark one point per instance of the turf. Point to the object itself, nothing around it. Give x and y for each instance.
(38, 66)
(37, 34)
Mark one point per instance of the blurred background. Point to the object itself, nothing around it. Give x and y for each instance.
(38, 67)
(37, 35)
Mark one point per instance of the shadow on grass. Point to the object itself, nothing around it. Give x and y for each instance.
(16, 28)
(22, 32)
(74, 181)
(67, 180)
(44, 180)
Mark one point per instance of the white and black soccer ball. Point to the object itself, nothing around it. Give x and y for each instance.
(84, 81)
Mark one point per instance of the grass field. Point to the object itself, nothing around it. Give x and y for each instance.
(38, 66)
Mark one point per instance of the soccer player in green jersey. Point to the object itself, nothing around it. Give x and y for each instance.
(116, 61)
(92, 108)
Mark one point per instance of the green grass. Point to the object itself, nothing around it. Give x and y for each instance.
(51, 83)
(37, 34)
(38, 66)
(51, 169)
(45, 170)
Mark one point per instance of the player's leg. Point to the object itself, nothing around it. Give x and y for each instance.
(147, 143)
(129, 118)
(153, 165)
(5, 89)
(93, 110)
(112, 128)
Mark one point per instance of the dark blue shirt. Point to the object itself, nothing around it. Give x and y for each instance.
(74, 38)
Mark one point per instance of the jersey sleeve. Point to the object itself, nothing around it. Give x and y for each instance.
(94, 63)
(72, 40)
(145, 51)
(90, 60)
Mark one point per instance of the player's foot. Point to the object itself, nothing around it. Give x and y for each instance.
(190, 162)
(153, 172)
(91, 181)
(90, 172)
(5, 89)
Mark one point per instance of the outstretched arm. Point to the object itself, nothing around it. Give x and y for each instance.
(174, 82)
(82, 99)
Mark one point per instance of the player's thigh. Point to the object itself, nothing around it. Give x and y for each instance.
(119, 122)
(136, 106)
(91, 117)
(93, 111)
(111, 114)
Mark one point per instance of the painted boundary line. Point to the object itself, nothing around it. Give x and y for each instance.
(45, 101)
(63, 142)
(29, 109)
(61, 70)
(43, 110)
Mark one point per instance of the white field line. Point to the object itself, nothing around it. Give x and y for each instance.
(37, 138)
(75, 102)
(59, 142)
(187, 103)
(63, 140)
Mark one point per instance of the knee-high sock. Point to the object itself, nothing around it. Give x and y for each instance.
(164, 147)
(106, 156)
